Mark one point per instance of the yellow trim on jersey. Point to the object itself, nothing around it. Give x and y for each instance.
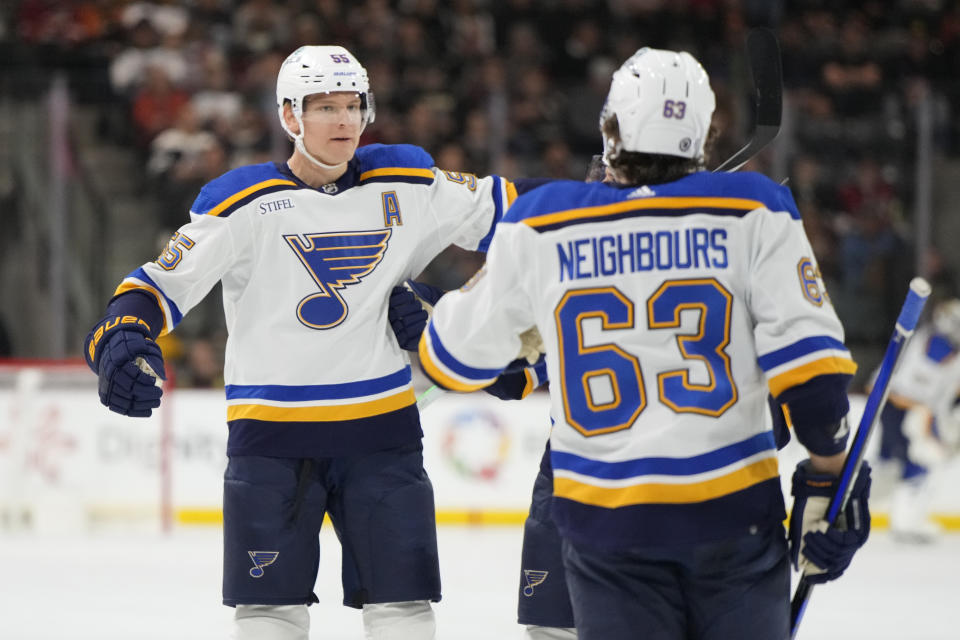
(511, 190)
(660, 493)
(131, 286)
(529, 387)
(439, 376)
(325, 413)
(645, 203)
(831, 364)
(217, 210)
(397, 171)
(786, 415)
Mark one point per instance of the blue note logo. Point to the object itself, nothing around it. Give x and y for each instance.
(261, 559)
(533, 578)
(334, 261)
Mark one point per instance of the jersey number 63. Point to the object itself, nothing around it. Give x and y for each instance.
(581, 364)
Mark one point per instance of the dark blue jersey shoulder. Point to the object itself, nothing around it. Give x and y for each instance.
(394, 163)
(222, 196)
(563, 203)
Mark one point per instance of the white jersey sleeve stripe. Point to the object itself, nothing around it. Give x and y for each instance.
(446, 370)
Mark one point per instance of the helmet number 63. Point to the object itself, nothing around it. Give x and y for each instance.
(675, 109)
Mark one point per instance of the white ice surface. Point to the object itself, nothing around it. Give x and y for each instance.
(152, 587)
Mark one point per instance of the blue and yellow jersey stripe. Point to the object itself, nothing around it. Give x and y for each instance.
(224, 195)
(448, 372)
(562, 203)
(662, 480)
(321, 403)
(666, 493)
(804, 360)
(238, 199)
(534, 376)
(411, 175)
(322, 413)
(501, 202)
(669, 206)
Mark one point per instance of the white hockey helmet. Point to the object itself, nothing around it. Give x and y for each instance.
(663, 104)
(320, 69)
(946, 320)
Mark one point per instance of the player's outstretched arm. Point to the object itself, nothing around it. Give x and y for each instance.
(409, 309)
(121, 350)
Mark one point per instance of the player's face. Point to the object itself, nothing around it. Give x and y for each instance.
(332, 123)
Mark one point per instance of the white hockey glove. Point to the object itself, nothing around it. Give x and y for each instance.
(531, 345)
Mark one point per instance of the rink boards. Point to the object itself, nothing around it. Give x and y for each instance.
(66, 461)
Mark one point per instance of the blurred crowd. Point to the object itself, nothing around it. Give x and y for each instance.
(515, 87)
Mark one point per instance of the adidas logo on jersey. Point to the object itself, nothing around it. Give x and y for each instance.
(642, 192)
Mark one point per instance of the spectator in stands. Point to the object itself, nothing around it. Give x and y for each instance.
(216, 104)
(260, 26)
(157, 105)
(853, 77)
(167, 17)
(129, 68)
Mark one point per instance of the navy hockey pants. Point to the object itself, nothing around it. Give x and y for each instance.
(543, 599)
(381, 506)
(738, 588)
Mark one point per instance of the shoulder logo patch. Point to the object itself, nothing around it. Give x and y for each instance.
(335, 261)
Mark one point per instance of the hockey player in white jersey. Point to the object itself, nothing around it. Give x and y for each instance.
(920, 425)
(670, 304)
(320, 406)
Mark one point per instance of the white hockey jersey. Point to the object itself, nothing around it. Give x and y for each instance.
(928, 374)
(668, 314)
(312, 367)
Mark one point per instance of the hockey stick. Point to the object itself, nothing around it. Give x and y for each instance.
(427, 397)
(764, 54)
(906, 323)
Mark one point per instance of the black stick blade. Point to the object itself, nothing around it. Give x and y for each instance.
(764, 53)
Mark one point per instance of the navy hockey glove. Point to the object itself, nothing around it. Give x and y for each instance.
(510, 385)
(407, 314)
(407, 317)
(121, 351)
(826, 551)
